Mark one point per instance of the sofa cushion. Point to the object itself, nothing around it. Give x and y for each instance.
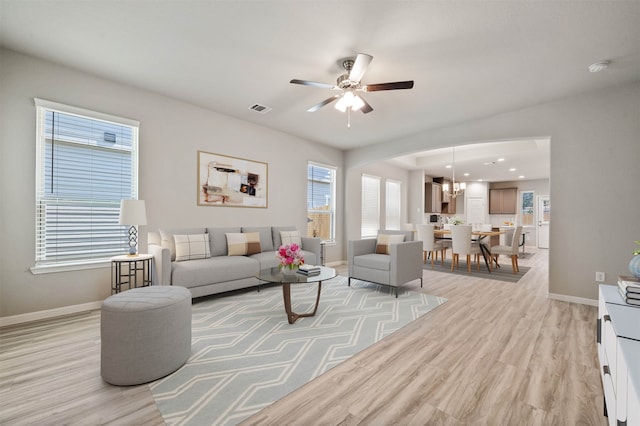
(383, 244)
(213, 270)
(191, 247)
(381, 262)
(290, 237)
(266, 240)
(267, 259)
(241, 244)
(167, 241)
(218, 240)
(277, 239)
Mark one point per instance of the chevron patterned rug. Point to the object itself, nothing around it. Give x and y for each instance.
(245, 355)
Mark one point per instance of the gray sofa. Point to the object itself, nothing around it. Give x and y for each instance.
(402, 264)
(220, 272)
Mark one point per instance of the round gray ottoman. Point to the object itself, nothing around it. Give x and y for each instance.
(145, 334)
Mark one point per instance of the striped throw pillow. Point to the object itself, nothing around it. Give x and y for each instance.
(383, 244)
(190, 247)
(243, 243)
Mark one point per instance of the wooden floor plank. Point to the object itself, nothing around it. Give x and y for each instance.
(495, 353)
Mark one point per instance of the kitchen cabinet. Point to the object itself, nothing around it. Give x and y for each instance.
(448, 200)
(503, 201)
(449, 206)
(432, 197)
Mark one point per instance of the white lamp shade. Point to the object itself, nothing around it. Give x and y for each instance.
(132, 212)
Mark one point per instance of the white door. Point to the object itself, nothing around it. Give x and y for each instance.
(475, 210)
(544, 217)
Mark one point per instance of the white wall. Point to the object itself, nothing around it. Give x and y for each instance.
(595, 153)
(171, 133)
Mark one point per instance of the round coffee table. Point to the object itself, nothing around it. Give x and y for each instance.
(275, 275)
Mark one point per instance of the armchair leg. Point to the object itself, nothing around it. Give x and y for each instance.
(420, 282)
(349, 282)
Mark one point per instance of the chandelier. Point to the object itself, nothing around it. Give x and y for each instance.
(457, 187)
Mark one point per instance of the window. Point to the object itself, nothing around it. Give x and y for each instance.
(370, 206)
(526, 208)
(392, 220)
(86, 162)
(321, 195)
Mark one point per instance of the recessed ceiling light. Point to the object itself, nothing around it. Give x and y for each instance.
(479, 180)
(500, 159)
(467, 174)
(448, 166)
(599, 66)
(513, 169)
(521, 176)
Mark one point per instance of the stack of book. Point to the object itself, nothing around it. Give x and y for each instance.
(629, 289)
(310, 270)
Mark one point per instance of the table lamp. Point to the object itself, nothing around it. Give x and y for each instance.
(132, 212)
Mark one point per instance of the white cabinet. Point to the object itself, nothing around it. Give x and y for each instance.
(619, 355)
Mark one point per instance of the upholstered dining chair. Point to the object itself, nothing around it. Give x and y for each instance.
(509, 250)
(461, 245)
(430, 245)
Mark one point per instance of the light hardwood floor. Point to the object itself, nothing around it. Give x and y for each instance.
(496, 353)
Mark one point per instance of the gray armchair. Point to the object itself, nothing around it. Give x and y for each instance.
(401, 265)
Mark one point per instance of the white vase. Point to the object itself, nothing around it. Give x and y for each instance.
(286, 271)
(634, 266)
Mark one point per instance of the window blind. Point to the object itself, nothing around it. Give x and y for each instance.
(85, 165)
(392, 219)
(370, 206)
(321, 181)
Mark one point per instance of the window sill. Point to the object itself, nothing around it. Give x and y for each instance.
(69, 266)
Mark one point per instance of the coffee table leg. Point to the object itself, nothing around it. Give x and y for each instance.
(286, 295)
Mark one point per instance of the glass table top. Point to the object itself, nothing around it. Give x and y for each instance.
(275, 275)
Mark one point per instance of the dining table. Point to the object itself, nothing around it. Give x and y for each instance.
(481, 240)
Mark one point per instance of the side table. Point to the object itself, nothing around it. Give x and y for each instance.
(125, 269)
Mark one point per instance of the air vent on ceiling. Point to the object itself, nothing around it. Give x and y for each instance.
(260, 108)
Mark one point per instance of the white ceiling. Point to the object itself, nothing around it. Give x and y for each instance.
(468, 59)
(488, 162)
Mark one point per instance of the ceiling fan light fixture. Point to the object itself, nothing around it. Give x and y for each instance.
(349, 100)
(341, 105)
(357, 103)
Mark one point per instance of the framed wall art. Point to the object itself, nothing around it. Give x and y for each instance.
(231, 181)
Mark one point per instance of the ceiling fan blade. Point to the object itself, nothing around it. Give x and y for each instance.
(366, 108)
(389, 86)
(323, 103)
(360, 66)
(312, 83)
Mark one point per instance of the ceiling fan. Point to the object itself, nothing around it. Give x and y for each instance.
(349, 83)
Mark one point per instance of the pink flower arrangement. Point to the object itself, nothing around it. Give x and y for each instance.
(290, 256)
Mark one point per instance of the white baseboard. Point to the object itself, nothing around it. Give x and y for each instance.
(50, 313)
(573, 299)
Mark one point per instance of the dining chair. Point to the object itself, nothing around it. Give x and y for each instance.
(509, 250)
(461, 245)
(430, 245)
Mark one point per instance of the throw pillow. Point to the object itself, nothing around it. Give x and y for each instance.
(243, 243)
(383, 245)
(290, 237)
(190, 247)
